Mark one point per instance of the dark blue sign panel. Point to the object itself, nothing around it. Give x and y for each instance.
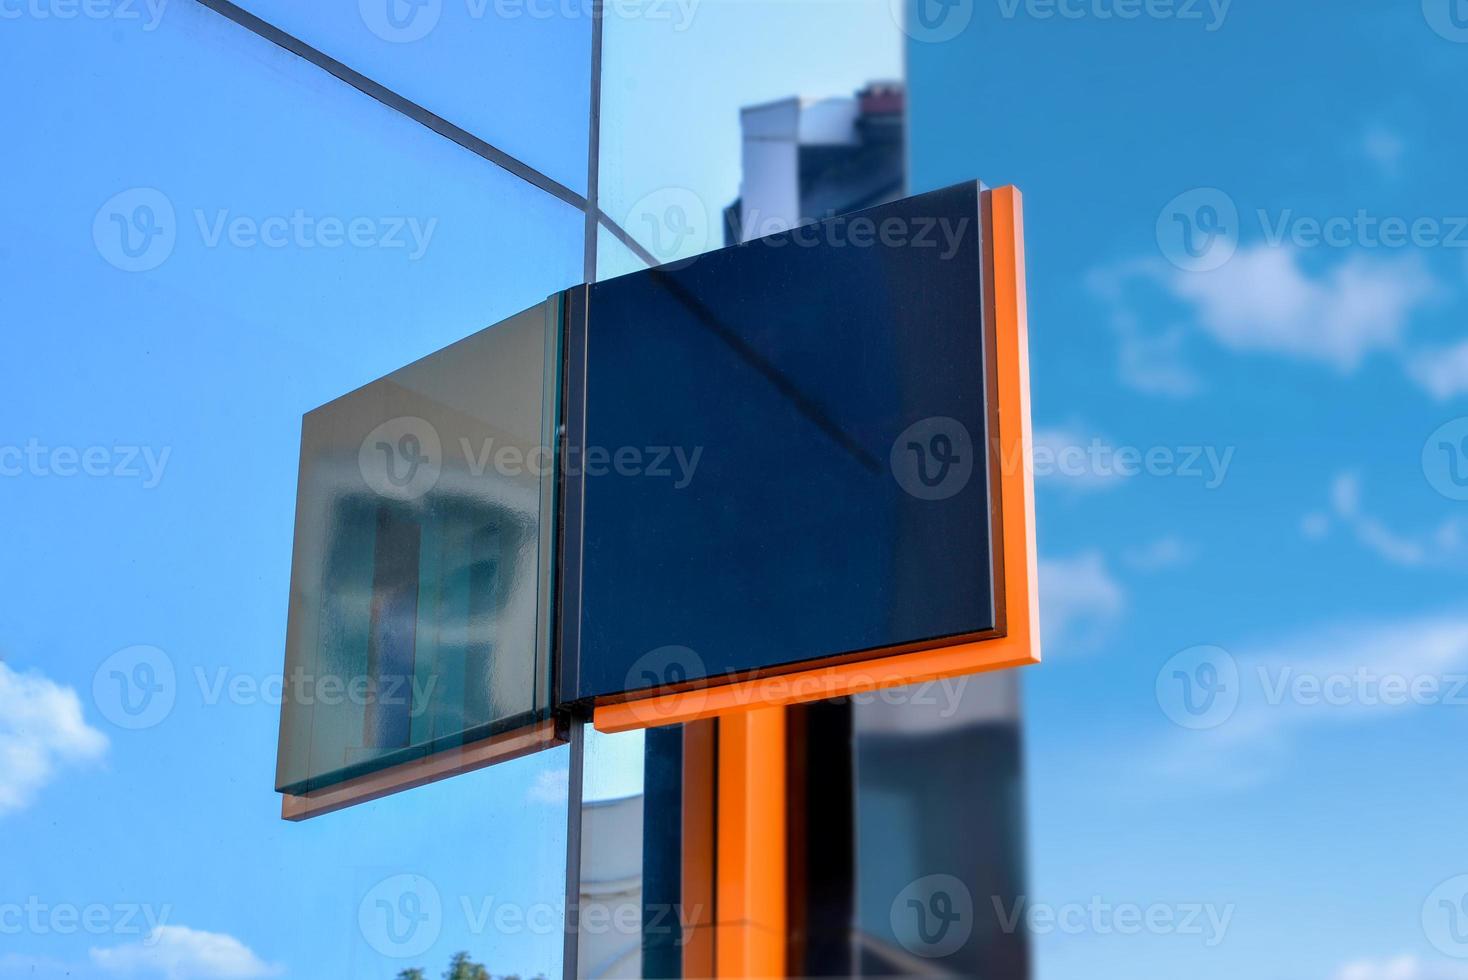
(775, 454)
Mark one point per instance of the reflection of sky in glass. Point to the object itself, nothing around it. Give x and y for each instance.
(212, 354)
(515, 74)
(490, 846)
(613, 765)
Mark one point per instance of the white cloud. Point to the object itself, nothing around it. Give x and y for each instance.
(1263, 300)
(550, 786)
(1442, 371)
(1167, 552)
(1446, 546)
(1078, 597)
(1343, 674)
(1401, 968)
(41, 730)
(180, 953)
(1149, 361)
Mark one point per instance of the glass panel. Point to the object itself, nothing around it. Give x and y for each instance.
(516, 73)
(223, 240)
(422, 563)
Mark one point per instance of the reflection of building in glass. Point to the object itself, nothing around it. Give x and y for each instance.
(939, 815)
(806, 159)
(610, 944)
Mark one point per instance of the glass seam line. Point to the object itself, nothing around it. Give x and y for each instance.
(397, 102)
(625, 237)
(592, 210)
(428, 119)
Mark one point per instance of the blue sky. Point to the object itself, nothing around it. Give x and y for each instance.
(1321, 538)
(1332, 545)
